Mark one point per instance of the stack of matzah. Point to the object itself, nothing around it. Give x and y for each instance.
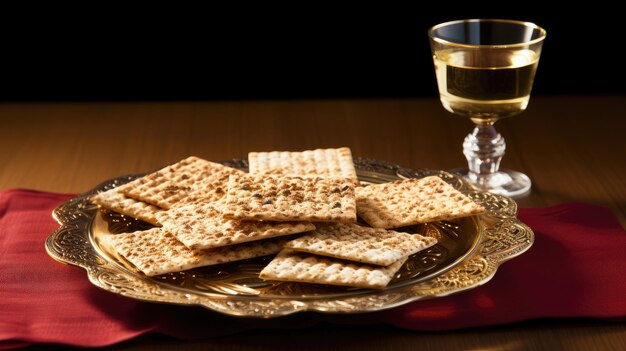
(312, 185)
(301, 205)
(345, 254)
(183, 200)
(191, 179)
(318, 185)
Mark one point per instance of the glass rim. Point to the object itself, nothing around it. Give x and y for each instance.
(527, 24)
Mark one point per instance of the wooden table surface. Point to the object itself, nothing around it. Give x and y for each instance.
(572, 147)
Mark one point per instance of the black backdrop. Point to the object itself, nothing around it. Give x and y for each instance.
(318, 51)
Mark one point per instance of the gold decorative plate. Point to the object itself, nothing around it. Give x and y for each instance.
(467, 255)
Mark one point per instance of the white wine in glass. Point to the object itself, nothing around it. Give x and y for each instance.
(485, 70)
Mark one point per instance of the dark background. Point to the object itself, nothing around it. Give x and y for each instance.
(319, 51)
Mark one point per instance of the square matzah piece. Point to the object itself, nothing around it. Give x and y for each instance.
(156, 251)
(307, 268)
(114, 201)
(328, 163)
(192, 177)
(361, 244)
(274, 198)
(202, 226)
(410, 201)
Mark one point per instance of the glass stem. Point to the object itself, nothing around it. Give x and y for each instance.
(484, 148)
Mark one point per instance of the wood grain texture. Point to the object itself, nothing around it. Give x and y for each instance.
(544, 335)
(572, 147)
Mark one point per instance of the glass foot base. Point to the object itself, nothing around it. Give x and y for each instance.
(504, 182)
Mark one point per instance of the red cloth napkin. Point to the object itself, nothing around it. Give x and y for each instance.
(574, 269)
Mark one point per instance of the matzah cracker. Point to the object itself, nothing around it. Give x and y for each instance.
(411, 201)
(361, 244)
(202, 226)
(192, 177)
(114, 201)
(274, 198)
(156, 251)
(331, 163)
(307, 268)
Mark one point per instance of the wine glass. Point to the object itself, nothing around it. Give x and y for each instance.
(485, 70)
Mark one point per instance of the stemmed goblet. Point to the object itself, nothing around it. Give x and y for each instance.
(485, 70)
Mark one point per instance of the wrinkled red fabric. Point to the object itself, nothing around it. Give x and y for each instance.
(575, 268)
